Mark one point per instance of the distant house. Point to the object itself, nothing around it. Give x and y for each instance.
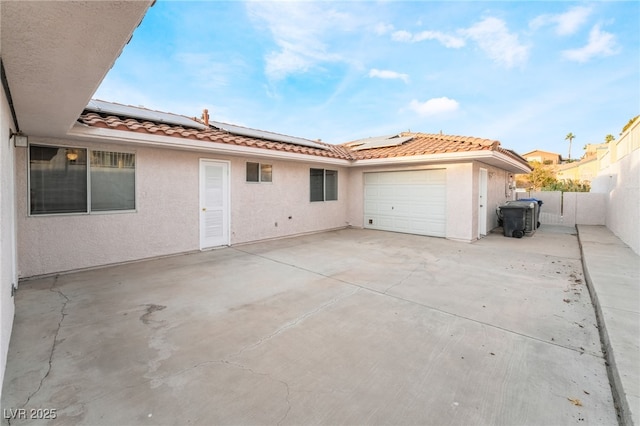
(587, 168)
(544, 157)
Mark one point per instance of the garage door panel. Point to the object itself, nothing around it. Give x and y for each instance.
(407, 201)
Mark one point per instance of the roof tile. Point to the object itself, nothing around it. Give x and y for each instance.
(420, 144)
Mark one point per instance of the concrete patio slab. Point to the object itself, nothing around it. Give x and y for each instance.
(345, 327)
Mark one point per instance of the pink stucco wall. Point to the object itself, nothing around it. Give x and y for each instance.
(166, 219)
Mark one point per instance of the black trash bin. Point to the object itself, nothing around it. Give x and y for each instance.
(514, 219)
(538, 207)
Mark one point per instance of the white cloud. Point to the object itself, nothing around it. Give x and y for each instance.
(566, 23)
(494, 38)
(299, 29)
(386, 74)
(382, 28)
(204, 69)
(445, 39)
(601, 43)
(434, 106)
(401, 35)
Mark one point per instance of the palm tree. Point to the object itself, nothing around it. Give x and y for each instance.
(570, 137)
(609, 138)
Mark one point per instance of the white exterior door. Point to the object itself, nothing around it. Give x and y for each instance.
(214, 203)
(412, 202)
(482, 206)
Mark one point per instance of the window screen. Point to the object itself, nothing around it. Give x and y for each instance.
(266, 172)
(113, 181)
(331, 185)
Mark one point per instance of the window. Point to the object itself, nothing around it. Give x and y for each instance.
(258, 172)
(323, 185)
(62, 181)
(113, 181)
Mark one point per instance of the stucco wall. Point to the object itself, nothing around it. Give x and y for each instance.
(497, 191)
(166, 220)
(623, 208)
(459, 194)
(620, 183)
(280, 208)
(8, 274)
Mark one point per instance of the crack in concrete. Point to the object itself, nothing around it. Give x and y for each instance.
(222, 362)
(55, 339)
(293, 323)
(409, 275)
(270, 377)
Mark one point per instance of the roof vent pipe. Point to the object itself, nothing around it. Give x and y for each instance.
(205, 117)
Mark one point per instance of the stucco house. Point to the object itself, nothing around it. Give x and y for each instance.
(544, 157)
(587, 168)
(89, 183)
(127, 183)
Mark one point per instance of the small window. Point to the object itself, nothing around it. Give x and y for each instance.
(323, 185)
(258, 172)
(61, 180)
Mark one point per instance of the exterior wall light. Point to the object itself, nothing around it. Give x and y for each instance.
(19, 139)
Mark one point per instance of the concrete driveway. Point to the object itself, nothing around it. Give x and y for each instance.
(346, 327)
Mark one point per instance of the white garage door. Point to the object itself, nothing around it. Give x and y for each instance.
(409, 201)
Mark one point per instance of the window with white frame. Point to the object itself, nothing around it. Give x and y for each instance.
(259, 172)
(79, 180)
(323, 185)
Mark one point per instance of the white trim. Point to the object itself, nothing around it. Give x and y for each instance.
(494, 158)
(119, 136)
(227, 201)
(483, 195)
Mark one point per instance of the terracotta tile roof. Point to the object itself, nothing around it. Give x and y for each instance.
(109, 121)
(425, 144)
(419, 144)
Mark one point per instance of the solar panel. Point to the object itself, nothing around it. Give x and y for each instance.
(143, 114)
(378, 142)
(263, 134)
(180, 120)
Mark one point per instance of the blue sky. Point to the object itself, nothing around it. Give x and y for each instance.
(524, 73)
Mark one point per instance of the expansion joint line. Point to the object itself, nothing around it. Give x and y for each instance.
(63, 314)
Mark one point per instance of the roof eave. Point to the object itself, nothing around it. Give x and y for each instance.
(96, 134)
(493, 158)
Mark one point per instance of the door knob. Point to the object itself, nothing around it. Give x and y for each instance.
(204, 209)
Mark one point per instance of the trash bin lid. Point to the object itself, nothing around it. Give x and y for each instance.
(532, 199)
(518, 205)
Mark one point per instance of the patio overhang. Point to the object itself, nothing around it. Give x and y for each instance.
(56, 54)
